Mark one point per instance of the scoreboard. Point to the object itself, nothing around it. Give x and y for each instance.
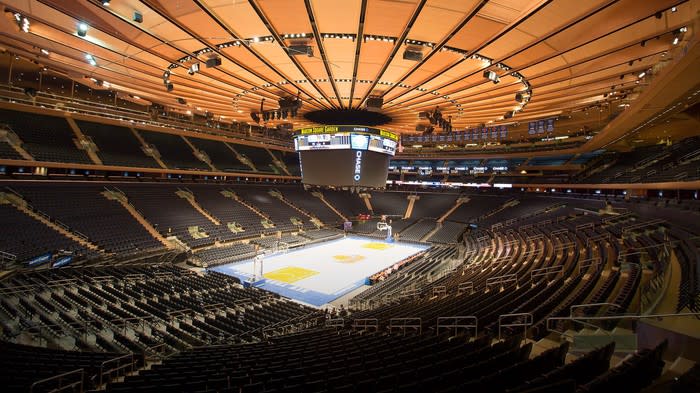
(346, 137)
(345, 155)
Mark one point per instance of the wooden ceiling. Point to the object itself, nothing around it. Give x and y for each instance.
(565, 55)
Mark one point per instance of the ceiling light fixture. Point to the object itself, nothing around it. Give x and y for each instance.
(82, 29)
(492, 76)
(22, 22)
(91, 59)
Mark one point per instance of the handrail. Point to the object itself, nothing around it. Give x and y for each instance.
(582, 320)
(365, 323)
(60, 377)
(588, 262)
(586, 305)
(532, 238)
(645, 224)
(439, 290)
(9, 256)
(581, 227)
(335, 322)
(564, 245)
(406, 323)
(125, 115)
(544, 271)
(529, 319)
(457, 323)
(464, 287)
(153, 351)
(129, 356)
(506, 278)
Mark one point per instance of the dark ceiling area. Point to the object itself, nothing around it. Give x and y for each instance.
(360, 117)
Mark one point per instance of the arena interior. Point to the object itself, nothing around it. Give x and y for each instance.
(350, 196)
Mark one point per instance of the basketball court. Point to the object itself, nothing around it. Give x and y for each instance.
(320, 273)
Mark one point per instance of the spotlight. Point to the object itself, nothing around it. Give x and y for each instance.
(492, 76)
(169, 86)
(674, 9)
(22, 22)
(676, 40)
(105, 3)
(519, 97)
(194, 68)
(659, 15)
(641, 74)
(44, 52)
(82, 29)
(91, 59)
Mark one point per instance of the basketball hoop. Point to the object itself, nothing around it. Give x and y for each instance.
(258, 267)
(383, 226)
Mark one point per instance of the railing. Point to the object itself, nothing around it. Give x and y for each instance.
(118, 368)
(606, 236)
(464, 287)
(622, 258)
(543, 223)
(504, 279)
(335, 322)
(588, 305)
(71, 282)
(529, 319)
(6, 256)
(584, 264)
(545, 271)
(641, 225)
(60, 380)
(533, 238)
(695, 154)
(414, 323)
(19, 289)
(458, 322)
(128, 116)
(581, 227)
(365, 324)
(681, 176)
(583, 320)
(156, 352)
(564, 246)
(439, 290)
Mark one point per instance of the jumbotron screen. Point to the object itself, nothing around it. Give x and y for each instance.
(345, 155)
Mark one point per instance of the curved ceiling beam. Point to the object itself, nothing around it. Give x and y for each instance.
(358, 47)
(230, 31)
(395, 50)
(280, 40)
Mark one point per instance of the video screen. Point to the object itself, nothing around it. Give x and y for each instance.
(342, 168)
(359, 142)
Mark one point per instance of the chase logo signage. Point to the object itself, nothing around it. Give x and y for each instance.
(358, 165)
